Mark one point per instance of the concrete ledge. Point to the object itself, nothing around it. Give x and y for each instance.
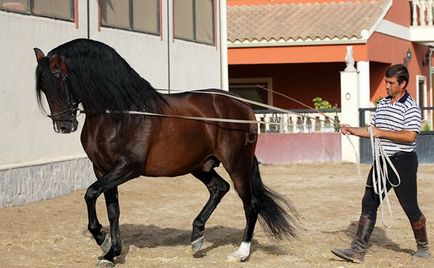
(28, 184)
(274, 148)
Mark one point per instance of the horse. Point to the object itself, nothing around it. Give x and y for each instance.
(124, 138)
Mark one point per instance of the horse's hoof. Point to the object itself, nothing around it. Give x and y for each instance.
(103, 263)
(123, 255)
(236, 257)
(242, 254)
(197, 244)
(106, 244)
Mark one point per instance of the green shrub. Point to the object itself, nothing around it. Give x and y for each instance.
(321, 104)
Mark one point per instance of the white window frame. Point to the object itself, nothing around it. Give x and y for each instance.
(421, 78)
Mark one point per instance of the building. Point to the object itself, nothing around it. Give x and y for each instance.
(300, 48)
(173, 44)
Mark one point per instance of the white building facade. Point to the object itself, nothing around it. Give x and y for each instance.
(174, 44)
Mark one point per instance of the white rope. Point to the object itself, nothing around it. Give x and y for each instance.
(199, 118)
(356, 155)
(381, 159)
(270, 107)
(213, 119)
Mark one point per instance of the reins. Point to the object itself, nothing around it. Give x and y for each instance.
(297, 101)
(210, 119)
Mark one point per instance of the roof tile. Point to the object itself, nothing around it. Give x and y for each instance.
(303, 21)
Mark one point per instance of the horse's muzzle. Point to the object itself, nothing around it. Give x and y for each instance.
(65, 126)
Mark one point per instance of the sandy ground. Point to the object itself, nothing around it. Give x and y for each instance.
(156, 216)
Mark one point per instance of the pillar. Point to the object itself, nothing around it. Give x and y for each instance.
(350, 103)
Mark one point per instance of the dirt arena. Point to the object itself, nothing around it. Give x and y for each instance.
(156, 216)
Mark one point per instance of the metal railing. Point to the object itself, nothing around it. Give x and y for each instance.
(365, 115)
(297, 121)
(422, 12)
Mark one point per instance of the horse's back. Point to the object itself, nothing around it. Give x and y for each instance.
(210, 102)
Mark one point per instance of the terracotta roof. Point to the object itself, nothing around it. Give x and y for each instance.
(304, 21)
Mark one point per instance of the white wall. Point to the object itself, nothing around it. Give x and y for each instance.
(187, 72)
(26, 134)
(27, 140)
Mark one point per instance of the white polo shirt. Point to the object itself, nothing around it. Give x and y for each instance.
(402, 115)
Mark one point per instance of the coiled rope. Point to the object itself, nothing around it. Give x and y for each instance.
(381, 161)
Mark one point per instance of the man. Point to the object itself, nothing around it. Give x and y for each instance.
(396, 123)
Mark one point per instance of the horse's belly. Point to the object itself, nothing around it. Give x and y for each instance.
(176, 163)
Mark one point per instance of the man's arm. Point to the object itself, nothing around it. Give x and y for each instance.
(397, 136)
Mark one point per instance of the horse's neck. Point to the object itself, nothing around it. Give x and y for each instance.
(90, 109)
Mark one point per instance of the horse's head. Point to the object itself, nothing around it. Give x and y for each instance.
(51, 79)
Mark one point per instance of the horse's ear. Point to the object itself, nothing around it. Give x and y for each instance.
(39, 54)
(57, 61)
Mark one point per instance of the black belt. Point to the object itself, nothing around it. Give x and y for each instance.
(399, 155)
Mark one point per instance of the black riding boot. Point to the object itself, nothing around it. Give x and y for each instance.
(356, 253)
(419, 230)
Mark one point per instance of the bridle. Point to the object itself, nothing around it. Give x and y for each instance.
(69, 114)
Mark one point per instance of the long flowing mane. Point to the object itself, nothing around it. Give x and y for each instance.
(100, 78)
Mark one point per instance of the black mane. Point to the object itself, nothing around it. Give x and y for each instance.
(102, 80)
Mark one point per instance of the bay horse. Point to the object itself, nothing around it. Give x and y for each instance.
(123, 145)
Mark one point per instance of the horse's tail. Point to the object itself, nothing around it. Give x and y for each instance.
(278, 217)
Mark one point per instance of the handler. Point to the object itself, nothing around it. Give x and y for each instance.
(396, 122)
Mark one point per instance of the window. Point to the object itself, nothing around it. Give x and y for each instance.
(135, 15)
(60, 9)
(250, 88)
(194, 20)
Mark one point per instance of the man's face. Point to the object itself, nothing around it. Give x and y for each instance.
(393, 88)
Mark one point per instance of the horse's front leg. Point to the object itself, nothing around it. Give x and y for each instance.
(101, 238)
(107, 184)
(113, 211)
(94, 226)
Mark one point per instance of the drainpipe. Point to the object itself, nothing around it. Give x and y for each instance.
(88, 20)
(223, 47)
(430, 72)
(169, 22)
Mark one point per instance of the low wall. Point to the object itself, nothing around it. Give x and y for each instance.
(275, 148)
(424, 149)
(32, 183)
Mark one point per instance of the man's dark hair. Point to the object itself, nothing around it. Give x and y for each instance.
(400, 71)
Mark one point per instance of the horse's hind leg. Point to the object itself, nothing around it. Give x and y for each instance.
(217, 188)
(241, 182)
(260, 201)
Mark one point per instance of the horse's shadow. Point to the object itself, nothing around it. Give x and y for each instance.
(378, 238)
(151, 236)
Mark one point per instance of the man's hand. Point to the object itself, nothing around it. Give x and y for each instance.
(345, 129)
(357, 131)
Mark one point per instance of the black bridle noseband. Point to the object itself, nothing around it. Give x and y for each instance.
(69, 114)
